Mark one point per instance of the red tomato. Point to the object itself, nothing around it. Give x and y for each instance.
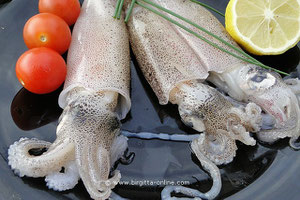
(41, 70)
(47, 30)
(68, 10)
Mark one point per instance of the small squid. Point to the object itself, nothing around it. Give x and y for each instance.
(95, 98)
(241, 81)
(176, 64)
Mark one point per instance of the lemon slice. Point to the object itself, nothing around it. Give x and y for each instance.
(264, 27)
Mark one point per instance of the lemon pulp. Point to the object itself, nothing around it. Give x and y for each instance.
(264, 27)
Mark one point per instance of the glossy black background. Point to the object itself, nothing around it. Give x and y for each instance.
(260, 172)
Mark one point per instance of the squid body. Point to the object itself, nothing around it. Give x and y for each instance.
(95, 97)
(176, 64)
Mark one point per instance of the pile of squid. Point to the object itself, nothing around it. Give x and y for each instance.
(180, 68)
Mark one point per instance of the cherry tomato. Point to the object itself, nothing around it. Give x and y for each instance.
(68, 10)
(41, 70)
(47, 30)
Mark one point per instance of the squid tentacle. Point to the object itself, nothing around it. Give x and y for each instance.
(52, 160)
(209, 166)
(220, 148)
(294, 144)
(205, 109)
(95, 98)
(118, 148)
(61, 181)
(99, 160)
(212, 168)
(83, 168)
(294, 85)
(271, 136)
(250, 116)
(98, 165)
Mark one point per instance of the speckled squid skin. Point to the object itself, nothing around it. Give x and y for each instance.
(203, 108)
(212, 59)
(99, 57)
(162, 55)
(238, 76)
(175, 63)
(92, 124)
(95, 98)
(173, 66)
(175, 51)
(241, 80)
(171, 63)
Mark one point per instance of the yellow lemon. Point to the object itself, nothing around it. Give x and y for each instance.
(264, 27)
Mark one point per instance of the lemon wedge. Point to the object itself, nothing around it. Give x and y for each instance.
(264, 27)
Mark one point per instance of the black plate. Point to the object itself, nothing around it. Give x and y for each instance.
(261, 172)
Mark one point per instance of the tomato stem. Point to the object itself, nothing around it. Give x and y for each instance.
(43, 38)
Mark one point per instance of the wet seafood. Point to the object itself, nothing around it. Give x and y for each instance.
(176, 63)
(95, 98)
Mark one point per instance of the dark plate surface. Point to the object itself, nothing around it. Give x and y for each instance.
(263, 172)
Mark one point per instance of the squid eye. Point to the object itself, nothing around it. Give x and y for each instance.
(261, 81)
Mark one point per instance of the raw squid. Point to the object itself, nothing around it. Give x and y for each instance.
(176, 63)
(95, 98)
